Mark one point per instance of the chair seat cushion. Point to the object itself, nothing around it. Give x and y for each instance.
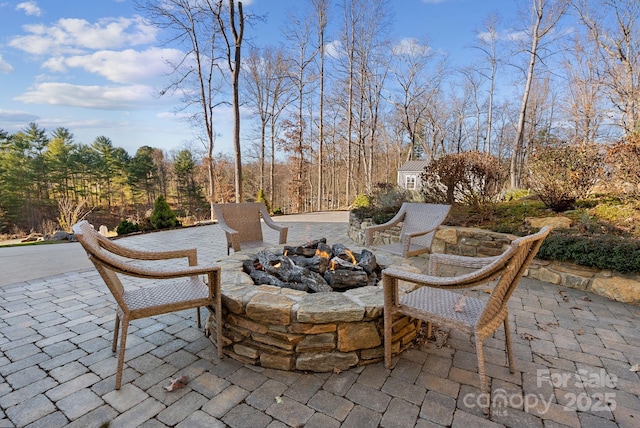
(170, 293)
(436, 304)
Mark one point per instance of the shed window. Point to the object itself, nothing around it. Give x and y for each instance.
(410, 182)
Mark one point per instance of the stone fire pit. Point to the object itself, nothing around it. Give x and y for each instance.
(287, 329)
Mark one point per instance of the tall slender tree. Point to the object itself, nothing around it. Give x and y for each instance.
(543, 17)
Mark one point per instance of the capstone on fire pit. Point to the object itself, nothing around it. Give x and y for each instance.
(289, 329)
(314, 267)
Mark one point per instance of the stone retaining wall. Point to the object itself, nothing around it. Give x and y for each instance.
(478, 242)
(287, 329)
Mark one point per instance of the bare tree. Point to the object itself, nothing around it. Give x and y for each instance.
(582, 103)
(232, 30)
(301, 74)
(544, 15)
(613, 25)
(489, 46)
(322, 10)
(195, 31)
(416, 88)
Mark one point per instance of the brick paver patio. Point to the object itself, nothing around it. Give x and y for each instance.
(573, 354)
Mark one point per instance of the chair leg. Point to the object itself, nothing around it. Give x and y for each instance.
(116, 330)
(507, 335)
(123, 344)
(199, 322)
(484, 386)
(219, 342)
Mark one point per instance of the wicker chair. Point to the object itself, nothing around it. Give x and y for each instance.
(419, 224)
(241, 224)
(432, 303)
(113, 261)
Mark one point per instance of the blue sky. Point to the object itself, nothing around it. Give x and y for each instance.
(94, 66)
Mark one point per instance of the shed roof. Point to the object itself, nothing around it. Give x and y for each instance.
(414, 166)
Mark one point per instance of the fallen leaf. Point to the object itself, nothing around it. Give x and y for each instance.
(575, 307)
(441, 338)
(580, 332)
(587, 299)
(488, 290)
(279, 400)
(541, 327)
(527, 336)
(565, 298)
(461, 303)
(178, 383)
(552, 324)
(635, 368)
(336, 370)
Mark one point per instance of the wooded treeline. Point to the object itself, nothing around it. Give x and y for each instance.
(340, 106)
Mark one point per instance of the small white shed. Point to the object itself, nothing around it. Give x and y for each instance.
(409, 174)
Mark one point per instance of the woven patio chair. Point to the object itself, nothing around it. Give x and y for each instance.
(432, 302)
(241, 224)
(419, 224)
(115, 262)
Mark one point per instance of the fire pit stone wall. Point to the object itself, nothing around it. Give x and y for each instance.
(286, 329)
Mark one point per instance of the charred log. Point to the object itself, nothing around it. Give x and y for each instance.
(284, 269)
(341, 251)
(367, 261)
(346, 279)
(315, 263)
(338, 263)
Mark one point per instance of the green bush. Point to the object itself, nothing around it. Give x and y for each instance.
(126, 227)
(163, 216)
(262, 198)
(602, 252)
(361, 201)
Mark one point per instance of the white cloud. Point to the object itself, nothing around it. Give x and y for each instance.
(71, 36)
(127, 66)
(410, 46)
(30, 8)
(94, 97)
(5, 67)
(334, 49)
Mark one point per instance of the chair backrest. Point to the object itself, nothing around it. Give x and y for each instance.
(243, 217)
(520, 254)
(106, 263)
(420, 216)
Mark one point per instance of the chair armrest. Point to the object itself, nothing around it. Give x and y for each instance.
(273, 225)
(471, 279)
(191, 253)
(438, 259)
(142, 272)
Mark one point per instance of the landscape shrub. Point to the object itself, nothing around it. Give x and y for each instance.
(383, 204)
(361, 201)
(125, 227)
(624, 159)
(262, 198)
(560, 175)
(163, 216)
(601, 251)
(470, 178)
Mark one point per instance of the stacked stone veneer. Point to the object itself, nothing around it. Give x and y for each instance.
(292, 330)
(478, 242)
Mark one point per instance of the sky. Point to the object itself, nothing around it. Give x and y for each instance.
(95, 67)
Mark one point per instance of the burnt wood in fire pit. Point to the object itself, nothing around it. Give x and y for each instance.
(314, 267)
